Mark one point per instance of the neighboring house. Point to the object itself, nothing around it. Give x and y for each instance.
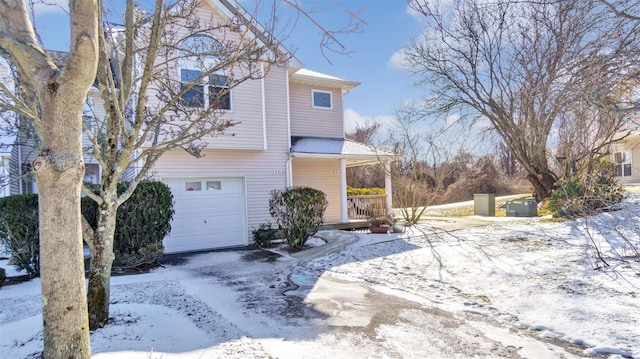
(291, 133)
(6, 140)
(5, 168)
(625, 153)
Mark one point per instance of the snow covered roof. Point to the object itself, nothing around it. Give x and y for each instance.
(321, 147)
(319, 79)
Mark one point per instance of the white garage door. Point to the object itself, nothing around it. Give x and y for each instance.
(209, 213)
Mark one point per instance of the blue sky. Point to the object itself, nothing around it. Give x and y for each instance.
(385, 86)
(390, 25)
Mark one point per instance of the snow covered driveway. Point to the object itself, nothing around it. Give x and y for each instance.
(510, 289)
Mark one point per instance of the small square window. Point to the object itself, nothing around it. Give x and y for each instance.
(193, 186)
(321, 99)
(214, 185)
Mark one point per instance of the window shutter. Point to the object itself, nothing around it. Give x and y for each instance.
(618, 157)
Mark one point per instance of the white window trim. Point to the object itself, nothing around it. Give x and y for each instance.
(627, 159)
(202, 65)
(204, 82)
(313, 91)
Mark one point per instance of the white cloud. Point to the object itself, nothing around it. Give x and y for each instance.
(398, 60)
(414, 14)
(352, 119)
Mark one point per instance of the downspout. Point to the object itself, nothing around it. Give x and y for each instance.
(264, 107)
(289, 167)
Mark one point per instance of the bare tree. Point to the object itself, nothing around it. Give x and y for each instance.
(507, 162)
(369, 175)
(56, 112)
(418, 176)
(147, 114)
(624, 8)
(150, 111)
(523, 66)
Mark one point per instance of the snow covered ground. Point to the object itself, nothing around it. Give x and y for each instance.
(507, 288)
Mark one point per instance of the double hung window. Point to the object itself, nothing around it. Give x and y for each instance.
(623, 163)
(205, 91)
(202, 89)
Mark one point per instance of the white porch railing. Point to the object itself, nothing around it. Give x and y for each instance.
(362, 207)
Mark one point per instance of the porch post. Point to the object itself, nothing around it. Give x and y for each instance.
(344, 215)
(387, 185)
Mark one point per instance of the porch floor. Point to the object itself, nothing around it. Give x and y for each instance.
(352, 224)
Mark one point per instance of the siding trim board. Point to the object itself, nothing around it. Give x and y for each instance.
(264, 108)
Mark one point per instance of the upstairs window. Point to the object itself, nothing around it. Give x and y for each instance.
(202, 46)
(209, 91)
(321, 99)
(201, 53)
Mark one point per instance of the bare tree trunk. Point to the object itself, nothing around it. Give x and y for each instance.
(102, 257)
(543, 184)
(59, 171)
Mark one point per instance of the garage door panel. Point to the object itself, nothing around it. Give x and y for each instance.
(207, 218)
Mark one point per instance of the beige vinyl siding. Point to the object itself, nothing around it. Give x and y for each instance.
(323, 175)
(263, 171)
(315, 122)
(246, 109)
(246, 97)
(99, 114)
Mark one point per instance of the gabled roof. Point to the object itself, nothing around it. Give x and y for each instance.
(233, 8)
(322, 147)
(314, 78)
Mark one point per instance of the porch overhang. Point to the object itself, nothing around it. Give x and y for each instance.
(630, 134)
(355, 154)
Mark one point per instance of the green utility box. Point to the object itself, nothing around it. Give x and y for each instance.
(527, 207)
(484, 204)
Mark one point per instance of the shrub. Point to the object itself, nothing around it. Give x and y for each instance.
(298, 213)
(19, 231)
(573, 197)
(364, 191)
(264, 235)
(142, 223)
(3, 276)
(567, 199)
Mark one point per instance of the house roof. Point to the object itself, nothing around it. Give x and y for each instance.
(630, 133)
(357, 154)
(309, 77)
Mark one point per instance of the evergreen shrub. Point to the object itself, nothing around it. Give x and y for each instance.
(298, 212)
(19, 231)
(142, 223)
(574, 197)
(264, 235)
(364, 191)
